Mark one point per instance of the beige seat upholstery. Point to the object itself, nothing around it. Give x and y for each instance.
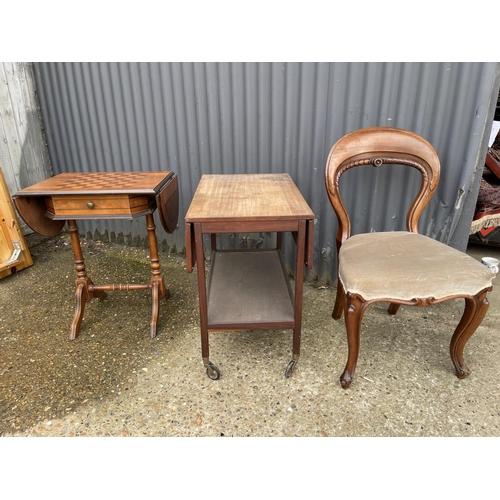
(404, 266)
(401, 267)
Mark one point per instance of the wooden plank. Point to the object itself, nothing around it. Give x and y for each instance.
(10, 235)
(6, 246)
(10, 143)
(249, 288)
(247, 196)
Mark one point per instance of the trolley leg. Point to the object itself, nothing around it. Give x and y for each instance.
(212, 371)
(299, 288)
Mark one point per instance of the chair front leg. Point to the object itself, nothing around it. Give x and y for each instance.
(354, 309)
(474, 311)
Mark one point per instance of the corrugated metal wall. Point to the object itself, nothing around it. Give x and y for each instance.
(197, 118)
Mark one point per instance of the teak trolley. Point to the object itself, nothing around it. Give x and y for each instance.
(248, 290)
(47, 205)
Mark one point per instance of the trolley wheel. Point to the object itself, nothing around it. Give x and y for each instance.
(290, 367)
(213, 372)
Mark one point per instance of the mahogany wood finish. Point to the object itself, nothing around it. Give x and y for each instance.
(243, 204)
(46, 207)
(33, 209)
(167, 201)
(378, 146)
(475, 309)
(84, 285)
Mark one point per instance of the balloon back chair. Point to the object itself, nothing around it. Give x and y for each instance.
(399, 267)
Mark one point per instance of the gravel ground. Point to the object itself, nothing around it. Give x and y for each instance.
(114, 380)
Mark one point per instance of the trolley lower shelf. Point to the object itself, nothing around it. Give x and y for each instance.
(249, 290)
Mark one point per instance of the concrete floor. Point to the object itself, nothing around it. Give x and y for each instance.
(114, 380)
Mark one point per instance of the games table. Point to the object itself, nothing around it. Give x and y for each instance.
(47, 205)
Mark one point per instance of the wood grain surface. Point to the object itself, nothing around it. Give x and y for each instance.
(249, 197)
(99, 182)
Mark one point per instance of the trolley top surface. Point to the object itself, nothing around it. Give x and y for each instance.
(247, 196)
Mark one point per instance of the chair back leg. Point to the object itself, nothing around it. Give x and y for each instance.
(393, 308)
(339, 302)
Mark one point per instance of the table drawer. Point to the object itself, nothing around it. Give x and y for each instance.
(95, 205)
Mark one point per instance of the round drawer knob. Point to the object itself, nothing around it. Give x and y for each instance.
(90, 204)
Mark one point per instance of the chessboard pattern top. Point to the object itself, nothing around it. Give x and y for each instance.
(247, 197)
(99, 183)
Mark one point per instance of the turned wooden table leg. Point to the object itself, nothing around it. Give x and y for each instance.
(158, 289)
(84, 284)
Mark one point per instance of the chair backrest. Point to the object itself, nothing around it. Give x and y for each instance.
(377, 146)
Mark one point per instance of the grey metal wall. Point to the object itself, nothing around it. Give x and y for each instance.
(197, 118)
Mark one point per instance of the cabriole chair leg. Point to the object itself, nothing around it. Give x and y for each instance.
(354, 309)
(474, 311)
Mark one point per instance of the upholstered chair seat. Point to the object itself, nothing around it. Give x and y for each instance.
(401, 265)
